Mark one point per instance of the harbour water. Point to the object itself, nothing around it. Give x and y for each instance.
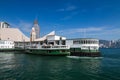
(20, 66)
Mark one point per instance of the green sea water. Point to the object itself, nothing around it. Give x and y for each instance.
(20, 66)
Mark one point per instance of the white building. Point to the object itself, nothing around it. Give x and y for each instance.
(6, 44)
(49, 39)
(54, 39)
(4, 25)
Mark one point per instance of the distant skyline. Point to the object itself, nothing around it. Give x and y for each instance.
(70, 18)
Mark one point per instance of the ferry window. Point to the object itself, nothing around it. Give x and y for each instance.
(85, 41)
(79, 42)
(91, 42)
(76, 42)
(63, 43)
(57, 42)
(82, 42)
(94, 42)
(88, 42)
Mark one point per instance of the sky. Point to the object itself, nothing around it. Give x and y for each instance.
(69, 18)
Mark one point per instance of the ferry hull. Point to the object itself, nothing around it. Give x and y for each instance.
(86, 54)
(48, 52)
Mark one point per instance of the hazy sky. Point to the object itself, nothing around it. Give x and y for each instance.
(69, 18)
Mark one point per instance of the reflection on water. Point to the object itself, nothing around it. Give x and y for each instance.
(6, 59)
(34, 67)
(89, 64)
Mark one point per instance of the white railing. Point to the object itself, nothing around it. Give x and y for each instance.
(50, 47)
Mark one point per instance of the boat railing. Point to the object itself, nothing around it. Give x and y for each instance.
(57, 46)
(50, 47)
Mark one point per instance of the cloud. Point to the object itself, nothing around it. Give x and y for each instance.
(25, 27)
(71, 8)
(67, 17)
(92, 32)
(68, 8)
(60, 10)
(71, 15)
(80, 30)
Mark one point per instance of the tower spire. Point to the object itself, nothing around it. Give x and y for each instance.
(37, 28)
(35, 21)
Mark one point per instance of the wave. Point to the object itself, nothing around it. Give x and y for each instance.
(79, 57)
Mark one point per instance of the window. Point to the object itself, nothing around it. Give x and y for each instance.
(76, 42)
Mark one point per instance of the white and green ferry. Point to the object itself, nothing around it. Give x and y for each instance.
(52, 44)
(84, 47)
(49, 50)
(73, 47)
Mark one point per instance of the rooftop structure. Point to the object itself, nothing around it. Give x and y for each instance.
(4, 25)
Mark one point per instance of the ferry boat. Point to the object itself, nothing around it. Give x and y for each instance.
(88, 47)
(52, 44)
(85, 47)
(58, 50)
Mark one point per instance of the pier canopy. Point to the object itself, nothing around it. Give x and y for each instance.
(50, 37)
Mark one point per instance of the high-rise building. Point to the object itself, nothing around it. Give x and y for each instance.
(4, 25)
(37, 29)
